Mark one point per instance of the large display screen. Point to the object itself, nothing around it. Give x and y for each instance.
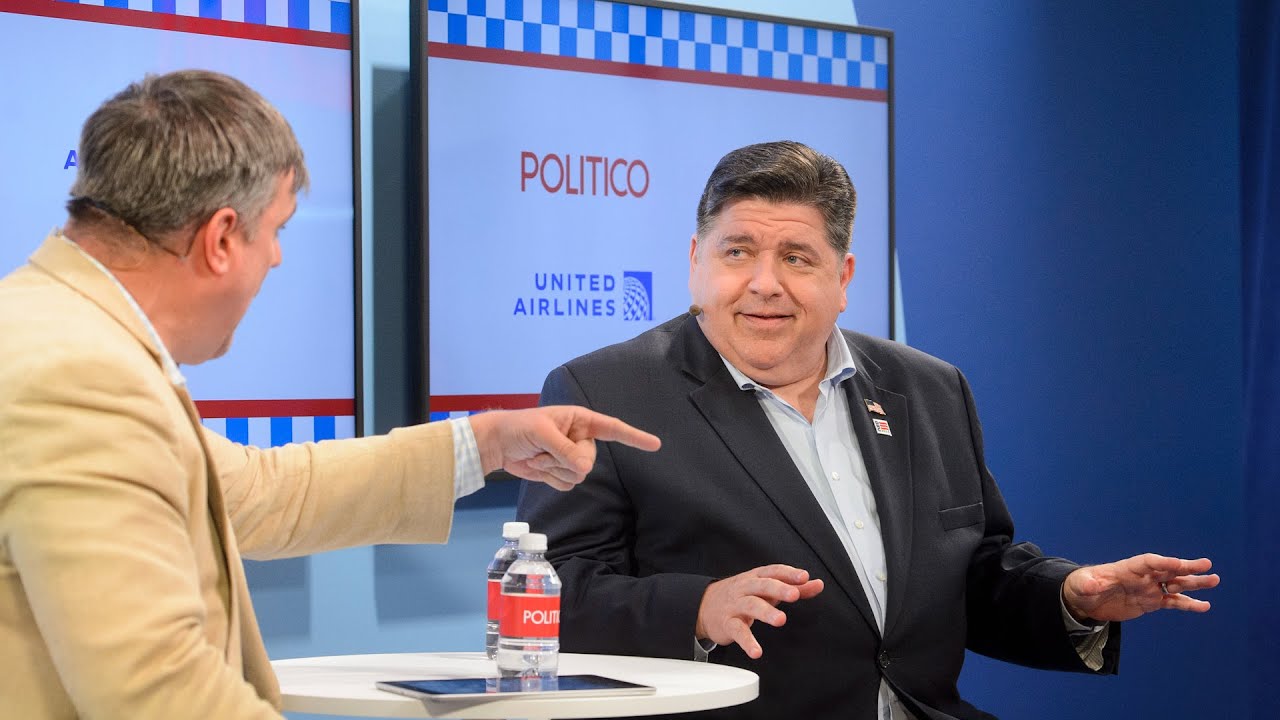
(291, 371)
(567, 144)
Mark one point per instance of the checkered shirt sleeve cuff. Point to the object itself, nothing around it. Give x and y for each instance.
(467, 474)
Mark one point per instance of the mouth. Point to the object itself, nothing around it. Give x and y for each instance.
(765, 320)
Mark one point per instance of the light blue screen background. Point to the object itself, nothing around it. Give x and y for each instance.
(487, 238)
(297, 341)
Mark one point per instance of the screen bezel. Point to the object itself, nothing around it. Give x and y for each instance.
(420, 150)
(171, 22)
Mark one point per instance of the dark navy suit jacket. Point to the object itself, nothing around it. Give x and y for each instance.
(637, 543)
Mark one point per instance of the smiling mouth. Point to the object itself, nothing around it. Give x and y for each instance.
(769, 319)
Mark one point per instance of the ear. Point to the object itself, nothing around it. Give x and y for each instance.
(213, 241)
(846, 274)
(693, 262)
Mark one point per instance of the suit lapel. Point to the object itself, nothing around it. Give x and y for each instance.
(888, 461)
(735, 415)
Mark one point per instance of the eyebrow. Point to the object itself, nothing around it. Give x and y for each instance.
(739, 239)
(785, 246)
(796, 245)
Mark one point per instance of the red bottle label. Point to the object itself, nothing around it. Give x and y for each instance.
(536, 616)
(495, 600)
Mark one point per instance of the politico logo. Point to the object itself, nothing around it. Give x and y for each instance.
(588, 295)
(540, 617)
(535, 616)
(588, 175)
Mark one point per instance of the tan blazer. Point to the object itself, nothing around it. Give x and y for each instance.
(122, 520)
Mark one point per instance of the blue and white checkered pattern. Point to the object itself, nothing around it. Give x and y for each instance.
(275, 431)
(661, 37)
(320, 15)
(437, 416)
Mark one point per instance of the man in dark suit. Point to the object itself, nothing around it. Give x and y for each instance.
(809, 465)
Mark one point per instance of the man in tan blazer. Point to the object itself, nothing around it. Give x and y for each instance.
(122, 520)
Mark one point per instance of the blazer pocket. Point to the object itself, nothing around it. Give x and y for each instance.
(963, 516)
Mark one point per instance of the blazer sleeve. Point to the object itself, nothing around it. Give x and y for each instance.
(1013, 593)
(609, 604)
(92, 519)
(311, 497)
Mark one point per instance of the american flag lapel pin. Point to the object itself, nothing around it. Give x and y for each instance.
(873, 406)
(882, 426)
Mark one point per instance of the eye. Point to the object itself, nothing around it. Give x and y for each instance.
(794, 260)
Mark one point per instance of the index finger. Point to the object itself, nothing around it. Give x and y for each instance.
(604, 427)
(785, 573)
(1178, 566)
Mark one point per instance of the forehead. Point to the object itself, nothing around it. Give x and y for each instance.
(285, 200)
(760, 220)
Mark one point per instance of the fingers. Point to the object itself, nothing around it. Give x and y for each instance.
(1191, 583)
(811, 588)
(778, 571)
(1182, 602)
(544, 469)
(769, 589)
(604, 427)
(1174, 566)
(730, 606)
(578, 457)
(762, 609)
(740, 632)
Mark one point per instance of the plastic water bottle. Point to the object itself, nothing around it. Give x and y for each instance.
(529, 633)
(502, 560)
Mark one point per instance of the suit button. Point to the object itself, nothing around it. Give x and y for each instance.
(884, 659)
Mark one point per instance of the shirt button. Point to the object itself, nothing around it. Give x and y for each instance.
(881, 576)
(859, 524)
(835, 476)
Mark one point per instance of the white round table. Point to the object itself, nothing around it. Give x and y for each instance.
(344, 685)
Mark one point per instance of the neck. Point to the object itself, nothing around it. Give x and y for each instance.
(153, 278)
(802, 394)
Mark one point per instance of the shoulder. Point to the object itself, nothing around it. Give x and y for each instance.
(636, 370)
(62, 353)
(654, 346)
(49, 327)
(895, 365)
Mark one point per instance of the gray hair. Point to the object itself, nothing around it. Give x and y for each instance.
(783, 172)
(169, 151)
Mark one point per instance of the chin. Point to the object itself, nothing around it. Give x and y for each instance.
(221, 350)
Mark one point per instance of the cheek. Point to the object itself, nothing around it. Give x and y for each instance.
(723, 286)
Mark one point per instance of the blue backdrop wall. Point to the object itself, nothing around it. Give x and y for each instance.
(1068, 228)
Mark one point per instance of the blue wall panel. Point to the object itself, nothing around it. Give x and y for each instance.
(1068, 231)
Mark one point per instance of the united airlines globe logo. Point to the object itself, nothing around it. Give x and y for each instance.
(637, 295)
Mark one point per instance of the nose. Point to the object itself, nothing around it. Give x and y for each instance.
(764, 278)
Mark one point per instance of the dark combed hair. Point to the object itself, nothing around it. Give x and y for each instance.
(783, 172)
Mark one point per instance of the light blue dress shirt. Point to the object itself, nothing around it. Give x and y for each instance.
(827, 455)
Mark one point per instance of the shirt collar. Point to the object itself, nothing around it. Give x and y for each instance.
(840, 365)
(166, 360)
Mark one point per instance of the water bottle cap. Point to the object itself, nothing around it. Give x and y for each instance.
(513, 530)
(533, 542)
